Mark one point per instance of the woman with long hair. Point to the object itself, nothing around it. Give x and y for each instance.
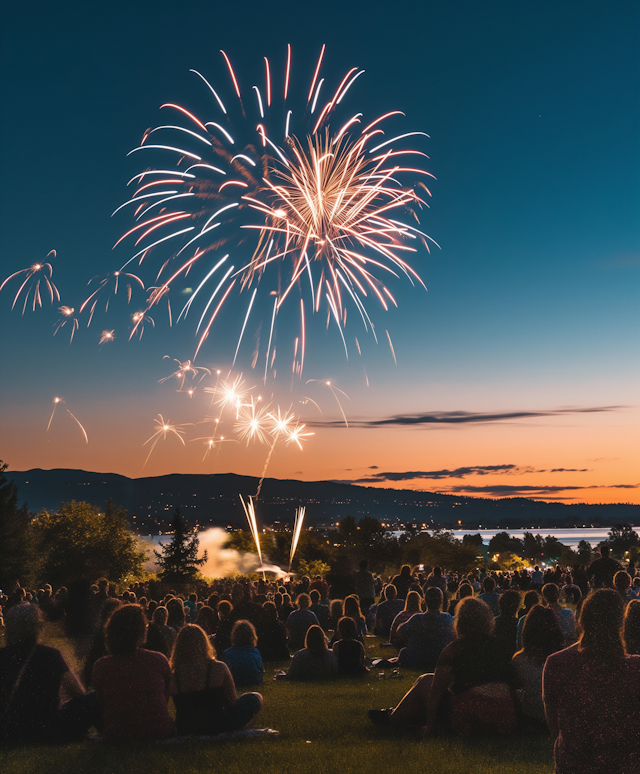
(203, 690)
(592, 694)
(314, 662)
(541, 636)
(631, 628)
(470, 689)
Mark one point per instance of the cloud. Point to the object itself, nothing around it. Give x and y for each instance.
(506, 490)
(373, 467)
(459, 417)
(474, 470)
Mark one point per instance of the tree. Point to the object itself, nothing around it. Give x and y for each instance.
(473, 540)
(79, 541)
(533, 545)
(16, 554)
(503, 543)
(553, 548)
(348, 529)
(621, 538)
(178, 559)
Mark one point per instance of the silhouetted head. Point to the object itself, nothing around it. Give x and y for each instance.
(474, 619)
(541, 633)
(23, 623)
(347, 628)
(509, 603)
(126, 630)
(488, 584)
(390, 591)
(315, 641)
(605, 551)
(243, 634)
(433, 598)
(601, 621)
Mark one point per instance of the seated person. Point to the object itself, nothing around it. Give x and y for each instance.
(426, 634)
(541, 636)
(160, 637)
(412, 605)
(299, 622)
(506, 628)
(566, 618)
(321, 611)
(387, 611)
(272, 635)
(243, 657)
(34, 681)
(631, 628)
(132, 684)
(470, 690)
(203, 690)
(490, 595)
(348, 650)
(314, 662)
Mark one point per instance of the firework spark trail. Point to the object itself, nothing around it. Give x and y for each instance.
(280, 424)
(109, 285)
(297, 529)
(250, 513)
(163, 429)
(36, 275)
(333, 389)
(324, 206)
(186, 370)
(106, 336)
(56, 401)
(68, 318)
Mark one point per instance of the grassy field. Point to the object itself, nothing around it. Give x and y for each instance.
(323, 728)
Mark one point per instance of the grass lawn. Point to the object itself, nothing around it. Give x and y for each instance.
(323, 728)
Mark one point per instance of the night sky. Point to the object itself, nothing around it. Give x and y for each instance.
(517, 371)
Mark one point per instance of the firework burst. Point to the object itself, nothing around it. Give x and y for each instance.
(316, 195)
(35, 277)
(163, 431)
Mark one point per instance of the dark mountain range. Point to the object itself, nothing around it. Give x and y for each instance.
(213, 500)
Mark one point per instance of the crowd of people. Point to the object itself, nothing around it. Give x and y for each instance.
(500, 652)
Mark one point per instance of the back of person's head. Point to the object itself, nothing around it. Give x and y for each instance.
(488, 584)
(314, 596)
(315, 641)
(192, 647)
(193, 597)
(108, 606)
(270, 610)
(405, 571)
(631, 628)
(509, 603)
(126, 629)
(568, 579)
(277, 598)
(437, 571)
(102, 584)
(347, 628)
(175, 608)
(605, 551)
(390, 591)
(23, 623)
(303, 601)
(622, 581)
(465, 590)
(224, 608)
(531, 598)
(206, 618)
(413, 602)
(364, 564)
(160, 615)
(352, 607)
(601, 622)
(243, 634)
(433, 598)
(286, 599)
(550, 593)
(336, 609)
(474, 619)
(541, 633)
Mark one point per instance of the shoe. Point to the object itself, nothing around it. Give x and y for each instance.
(380, 717)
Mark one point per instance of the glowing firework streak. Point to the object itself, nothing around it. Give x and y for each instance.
(252, 423)
(56, 401)
(36, 275)
(109, 284)
(320, 200)
(68, 318)
(185, 371)
(250, 513)
(297, 529)
(280, 424)
(163, 429)
(333, 392)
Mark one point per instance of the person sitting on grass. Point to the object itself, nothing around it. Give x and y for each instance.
(425, 634)
(387, 611)
(348, 650)
(299, 622)
(243, 657)
(314, 662)
(321, 611)
(336, 611)
(490, 595)
(132, 684)
(412, 605)
(541, 636)
(222, 637)
(470, 690)
(631, 628)
(566, 618)
(35, 681)
(203, 690)
(465, 589)
(506, 628)
(272, 635)
(160, 637)
(352, 610)
(591, 694)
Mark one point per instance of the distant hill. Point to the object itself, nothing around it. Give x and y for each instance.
(213, 500)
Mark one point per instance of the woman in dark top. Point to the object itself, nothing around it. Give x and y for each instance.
(203, 690)
(348, 650)
(471, 688)
(272, 635)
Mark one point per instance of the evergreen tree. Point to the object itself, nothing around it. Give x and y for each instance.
(621, 538)
(179, 559)
(16, 558)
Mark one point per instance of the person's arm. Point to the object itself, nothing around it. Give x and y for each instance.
(441, 680)
(550, 698)
(70, 685)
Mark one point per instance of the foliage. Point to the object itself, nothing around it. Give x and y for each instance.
(473, 540)
(80, 541)
(313, 568)
(439, 550)
(569, 558)
(533, 546)
(621, 538)
(178, 559)
(17, 558)
(503, 543)
(584, 552)
(553, 548)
